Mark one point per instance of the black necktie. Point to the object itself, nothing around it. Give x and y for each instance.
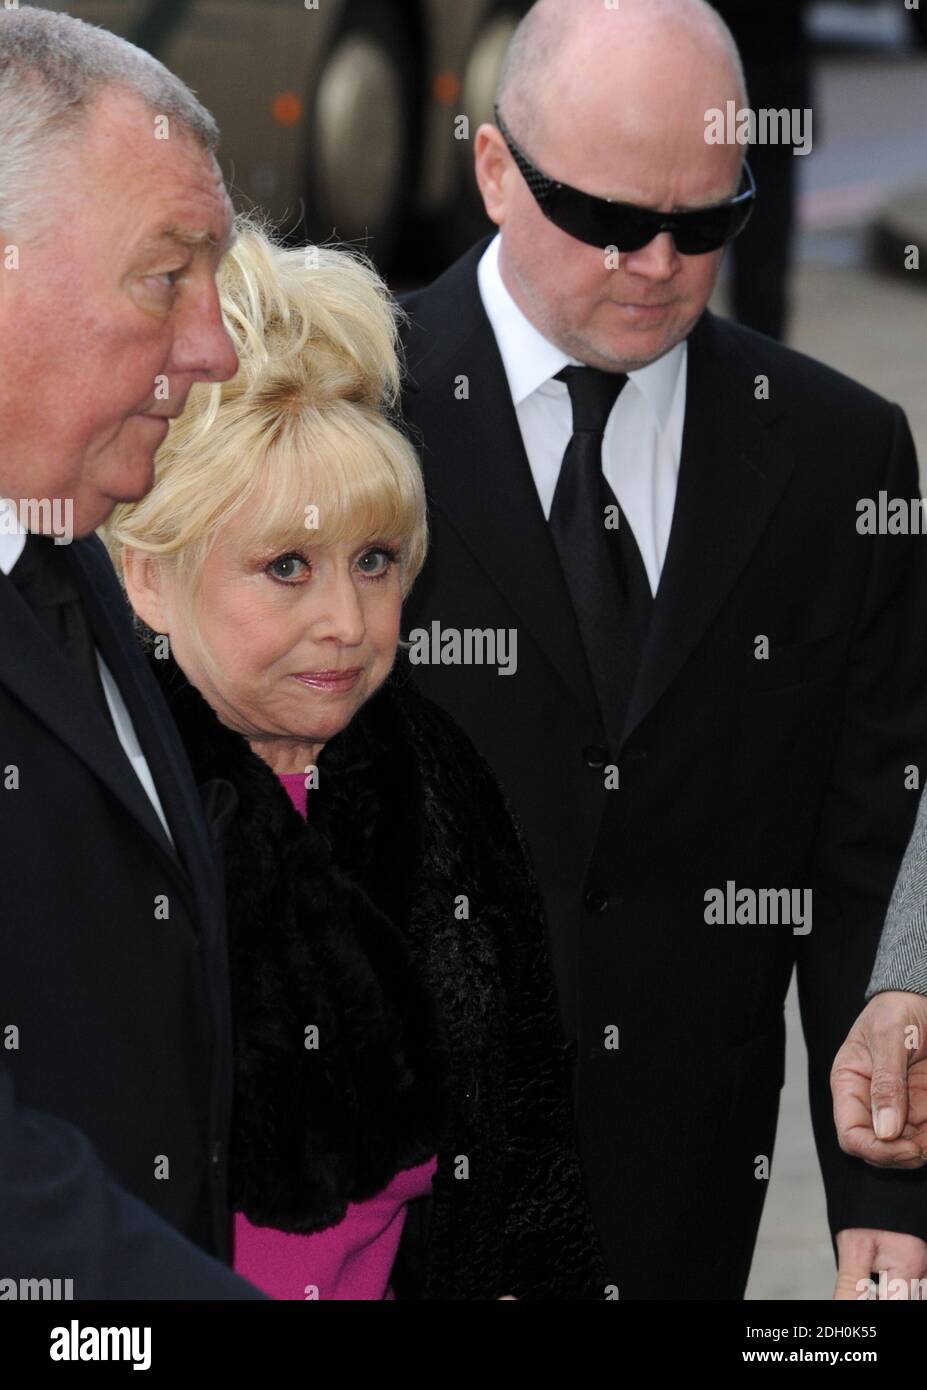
(601, 564)
(42, 574)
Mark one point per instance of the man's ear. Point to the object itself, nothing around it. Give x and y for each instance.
(144, 581)
(491, 160)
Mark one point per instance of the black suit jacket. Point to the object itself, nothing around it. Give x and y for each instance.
(115, 1087)
(784, 773)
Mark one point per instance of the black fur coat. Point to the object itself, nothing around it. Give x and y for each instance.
(402, 922)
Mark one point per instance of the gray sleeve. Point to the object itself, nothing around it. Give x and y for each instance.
(901, 960)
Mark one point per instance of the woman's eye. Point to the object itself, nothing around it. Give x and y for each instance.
(376, 563)
(286, 567)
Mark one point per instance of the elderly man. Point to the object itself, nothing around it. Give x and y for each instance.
(718, 680)
(114, 1015)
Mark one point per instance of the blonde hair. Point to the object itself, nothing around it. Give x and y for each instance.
(305, 435)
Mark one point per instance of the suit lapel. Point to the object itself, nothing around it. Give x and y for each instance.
(40, 678)
(729, 483)
(476, 469)
(477, 473)
(159, 741)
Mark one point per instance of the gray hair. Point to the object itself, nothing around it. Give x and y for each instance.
(53, 68)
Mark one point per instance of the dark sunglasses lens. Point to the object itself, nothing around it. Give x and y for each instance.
(602, 224)
(599, 223)
(707, 234)
(698, 233)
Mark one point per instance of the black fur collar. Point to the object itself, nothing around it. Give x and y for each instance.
(317, 916)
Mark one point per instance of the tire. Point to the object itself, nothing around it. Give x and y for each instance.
(464, 220)
(361, 141)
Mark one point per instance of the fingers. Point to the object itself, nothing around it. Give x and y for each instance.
(888, 1089)
(855, 1263)
(849, 1080)
(901, 1262)
(900, 1153)
(851, 1087)
(870, 1080)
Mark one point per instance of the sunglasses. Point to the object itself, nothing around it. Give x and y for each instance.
(602, 222)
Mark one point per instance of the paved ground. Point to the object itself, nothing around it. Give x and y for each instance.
(874, 327)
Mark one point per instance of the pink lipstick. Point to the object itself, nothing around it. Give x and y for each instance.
(330, 680)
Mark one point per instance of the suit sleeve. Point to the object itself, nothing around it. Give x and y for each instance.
(901, 962)
(865, 826)
(62, 1216)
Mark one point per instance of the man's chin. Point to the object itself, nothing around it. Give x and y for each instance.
(91, 513)
(132, 483)
(638, 347)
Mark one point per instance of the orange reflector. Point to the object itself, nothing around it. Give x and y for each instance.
(287, 108)
(445, 87)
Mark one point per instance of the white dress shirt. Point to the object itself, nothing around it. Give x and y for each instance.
(642, 444)
(12, 544)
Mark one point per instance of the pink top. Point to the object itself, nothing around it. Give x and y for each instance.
(351, 1260)
(294, 784)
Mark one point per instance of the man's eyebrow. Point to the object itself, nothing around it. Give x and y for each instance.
(189, 241)
(677, 207)
(708, 203)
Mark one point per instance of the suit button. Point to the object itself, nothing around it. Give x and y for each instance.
(595, 755)
(216, 1155)
(595, 900)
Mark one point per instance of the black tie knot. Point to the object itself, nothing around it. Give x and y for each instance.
(42, 573)
(592, 395)
(45, 580)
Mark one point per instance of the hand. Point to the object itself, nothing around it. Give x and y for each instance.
(879, 1083)
(860, 1253)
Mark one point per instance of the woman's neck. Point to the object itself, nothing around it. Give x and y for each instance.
(287, 755)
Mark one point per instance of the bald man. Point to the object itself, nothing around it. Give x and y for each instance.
(649, 604)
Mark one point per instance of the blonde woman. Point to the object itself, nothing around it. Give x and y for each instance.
(396, 1037)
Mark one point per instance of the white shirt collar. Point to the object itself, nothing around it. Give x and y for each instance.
(12, 539)
(530, 359)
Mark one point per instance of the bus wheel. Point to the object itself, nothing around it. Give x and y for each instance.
(466, 219)
(360, 131)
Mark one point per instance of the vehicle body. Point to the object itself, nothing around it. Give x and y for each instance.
(338, 117)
